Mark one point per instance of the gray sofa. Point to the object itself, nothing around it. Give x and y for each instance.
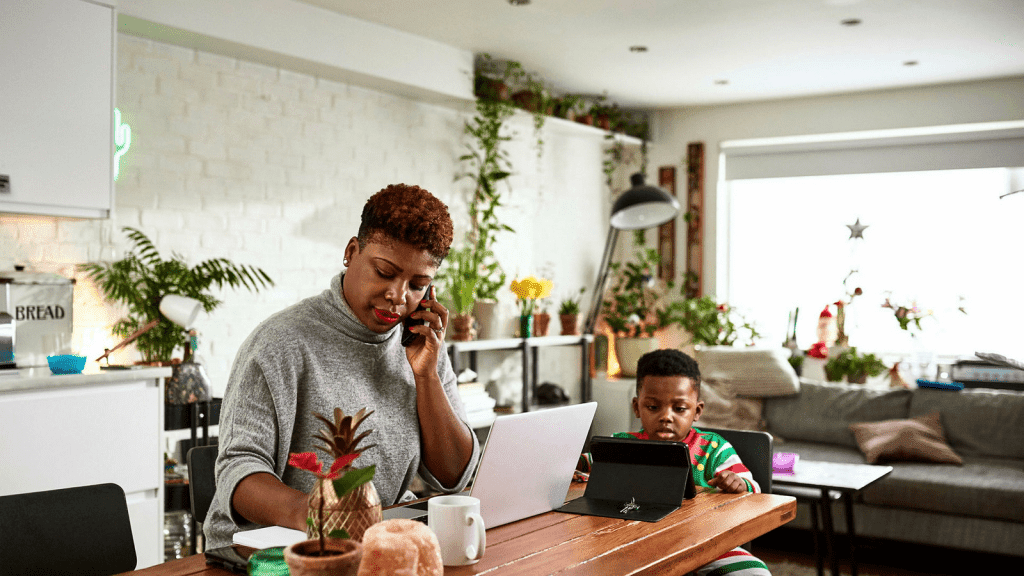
(978, 506)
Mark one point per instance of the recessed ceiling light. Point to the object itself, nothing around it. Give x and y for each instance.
(910, 63)
(638, 48)
(721, 82)
(519, 2)
(850, 22)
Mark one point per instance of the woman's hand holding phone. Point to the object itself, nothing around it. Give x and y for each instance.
(423, 333)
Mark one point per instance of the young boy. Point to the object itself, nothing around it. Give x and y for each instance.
(668, 403)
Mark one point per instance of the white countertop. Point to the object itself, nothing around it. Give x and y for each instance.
(40, 377)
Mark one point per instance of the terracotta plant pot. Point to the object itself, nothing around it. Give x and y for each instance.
(541, 321)
(526, 100)
(343, 560)
(490, 89)
(570, 324)
(585, 119)
(462, 328)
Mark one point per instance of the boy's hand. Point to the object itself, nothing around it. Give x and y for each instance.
(727, 481)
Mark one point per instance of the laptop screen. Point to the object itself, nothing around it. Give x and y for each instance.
(528, 462)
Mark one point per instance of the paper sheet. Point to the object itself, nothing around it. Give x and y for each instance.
(269, 537)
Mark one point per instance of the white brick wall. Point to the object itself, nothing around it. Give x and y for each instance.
(271, 167)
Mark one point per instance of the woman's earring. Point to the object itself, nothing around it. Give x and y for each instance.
(345, 262)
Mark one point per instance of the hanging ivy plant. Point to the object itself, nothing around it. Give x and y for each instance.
(488, 165)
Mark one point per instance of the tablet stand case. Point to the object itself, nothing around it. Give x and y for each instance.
(635, 479)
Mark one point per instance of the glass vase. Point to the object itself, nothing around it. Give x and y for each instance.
(525, 325)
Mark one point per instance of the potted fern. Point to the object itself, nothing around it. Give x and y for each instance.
(140, 279)
(569, 313)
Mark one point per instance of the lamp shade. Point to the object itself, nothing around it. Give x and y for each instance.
(643, 206)
(181, 310)
(640, 207)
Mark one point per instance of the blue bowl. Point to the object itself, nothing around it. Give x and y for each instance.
(66, 364)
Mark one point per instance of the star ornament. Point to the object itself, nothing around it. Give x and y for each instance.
(856, 230)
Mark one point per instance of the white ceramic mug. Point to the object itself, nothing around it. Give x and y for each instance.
(459, 528)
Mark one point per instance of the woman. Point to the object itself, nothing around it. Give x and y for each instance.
(343, 348)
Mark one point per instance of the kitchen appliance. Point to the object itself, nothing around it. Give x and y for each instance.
(6, 341)
(39, 305)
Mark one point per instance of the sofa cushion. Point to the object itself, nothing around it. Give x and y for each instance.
(982, 487)
(753, 372)
(823, 412)
(724, 409)
(912, 440)
(979, 422)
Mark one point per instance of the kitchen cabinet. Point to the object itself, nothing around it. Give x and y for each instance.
(60, 431)
(56, 107)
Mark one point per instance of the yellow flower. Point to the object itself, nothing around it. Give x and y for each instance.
(529, 289)
(545, 288)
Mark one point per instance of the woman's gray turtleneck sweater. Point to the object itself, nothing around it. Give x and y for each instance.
(312, 357)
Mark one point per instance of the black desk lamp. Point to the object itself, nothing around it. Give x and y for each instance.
(640, 207)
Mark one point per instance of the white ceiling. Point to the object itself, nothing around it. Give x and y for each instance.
(764, 49)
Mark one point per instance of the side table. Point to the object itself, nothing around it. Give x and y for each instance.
(818, 484)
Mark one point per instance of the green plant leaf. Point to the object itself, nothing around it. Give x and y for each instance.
(353, 479)
(140, 279)
(338, 533)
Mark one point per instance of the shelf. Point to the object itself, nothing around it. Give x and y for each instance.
(179, 416)
(518, 343)
(528, 347)
(563, 126)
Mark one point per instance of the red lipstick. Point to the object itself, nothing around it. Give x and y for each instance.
(384, 316)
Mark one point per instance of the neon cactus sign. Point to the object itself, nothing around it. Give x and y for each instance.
(122, 141)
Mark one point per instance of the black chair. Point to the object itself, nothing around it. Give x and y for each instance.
(201, 482)
(755, 449)
(84, 530)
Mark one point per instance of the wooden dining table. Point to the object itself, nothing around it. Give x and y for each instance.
(701, 530)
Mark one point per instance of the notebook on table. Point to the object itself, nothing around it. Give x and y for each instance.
(526, 464)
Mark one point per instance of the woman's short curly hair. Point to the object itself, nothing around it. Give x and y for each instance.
(408, 214)
(667, 362)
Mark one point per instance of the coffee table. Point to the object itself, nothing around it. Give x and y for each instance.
(817, 483)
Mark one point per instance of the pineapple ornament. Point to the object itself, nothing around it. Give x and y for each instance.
(357, 508)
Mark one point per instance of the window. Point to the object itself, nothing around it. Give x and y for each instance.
(932, 237)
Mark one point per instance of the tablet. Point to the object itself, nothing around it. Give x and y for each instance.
(635, 479)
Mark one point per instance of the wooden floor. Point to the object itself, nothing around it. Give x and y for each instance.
(789, 547)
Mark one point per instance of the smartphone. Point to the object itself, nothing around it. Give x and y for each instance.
(228, 558)
(408, 336)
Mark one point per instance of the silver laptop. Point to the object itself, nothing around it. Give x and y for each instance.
(526, 465)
